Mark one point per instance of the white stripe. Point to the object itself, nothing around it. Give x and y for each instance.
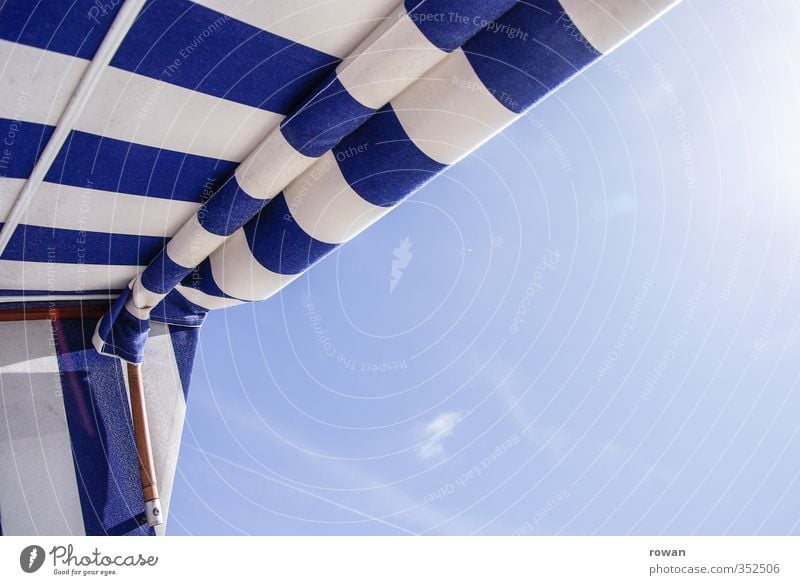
(142, 299)
(192, 244)
(132, 107)
(449, 112)
(272, 166)
(325, 206)
(94, 210)
(331, 26)
(9, 190)
(38, 487)
(166, 408)
(112, 40)
(240, 275)
(15, 275)
(37, 84)
(142, 314)
(205, 300)
(386, 62)
(608, 23)
(127, 106)
(99, 344)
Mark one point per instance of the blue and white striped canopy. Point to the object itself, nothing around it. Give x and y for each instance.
(177, 157)
(214, 151)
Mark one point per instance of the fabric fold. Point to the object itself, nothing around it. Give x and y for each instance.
(414, 38)
(463, 101)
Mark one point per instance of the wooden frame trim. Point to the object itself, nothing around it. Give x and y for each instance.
(80, 311)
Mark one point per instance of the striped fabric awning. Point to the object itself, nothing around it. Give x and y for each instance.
(170, 157)
(219, 150)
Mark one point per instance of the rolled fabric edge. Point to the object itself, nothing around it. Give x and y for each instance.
(120, 324)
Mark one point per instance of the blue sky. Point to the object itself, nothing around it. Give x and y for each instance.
(592, 327)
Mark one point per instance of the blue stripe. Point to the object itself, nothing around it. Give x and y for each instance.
(279, 244)
(72, 27)
(175, 309)
(99, 422)
(186, 44)
(161, 273)
(381, 163)
(184, 345)
(521, 69)
(44, 244)
(91, 161)
(324, 118)
(228, 209)
(123, 334)
(27, 142)
(449, 23)
(88, 160)
(202, 279)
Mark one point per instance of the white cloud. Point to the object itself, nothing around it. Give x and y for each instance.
(435, 432)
